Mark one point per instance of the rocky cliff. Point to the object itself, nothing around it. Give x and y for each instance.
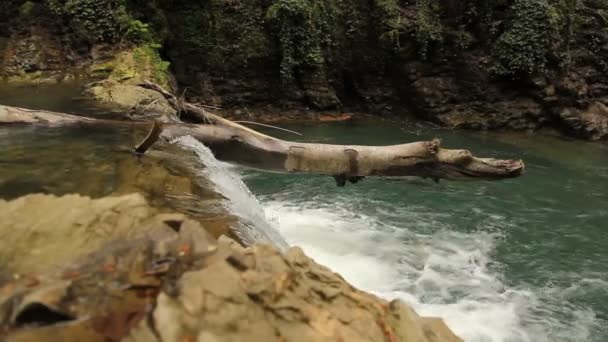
(75, 269)
(510, 64)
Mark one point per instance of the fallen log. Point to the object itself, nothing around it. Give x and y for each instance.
(234, 143)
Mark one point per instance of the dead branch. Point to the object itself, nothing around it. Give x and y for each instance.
(238, 144)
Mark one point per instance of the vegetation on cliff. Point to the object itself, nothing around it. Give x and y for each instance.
(525, 37)
(464, 63)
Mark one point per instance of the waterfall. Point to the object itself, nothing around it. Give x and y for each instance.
(254, 225)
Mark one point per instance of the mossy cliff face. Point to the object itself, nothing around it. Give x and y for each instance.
(84, 40)
(515, 64)
(291, 51)
(121, 74)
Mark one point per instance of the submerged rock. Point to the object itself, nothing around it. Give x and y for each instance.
(129, 273)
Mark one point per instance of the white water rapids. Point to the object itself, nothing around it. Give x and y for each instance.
(445, 273)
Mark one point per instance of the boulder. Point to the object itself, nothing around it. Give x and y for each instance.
(120, 76)
(102, 294)
(133, 99)
(122, 271)
(259, 294)
(39, 232)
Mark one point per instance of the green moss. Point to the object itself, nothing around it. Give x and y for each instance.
(523, 48)
(101, 20)
(27, 8)
(149, 63)
(323, 39)
(428, 25)
(142, 63)
(298, 25)
(223, 36)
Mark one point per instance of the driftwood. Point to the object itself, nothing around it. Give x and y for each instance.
(235, 143)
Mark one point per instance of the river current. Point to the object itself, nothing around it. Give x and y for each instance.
(518, 260)
(524, 259)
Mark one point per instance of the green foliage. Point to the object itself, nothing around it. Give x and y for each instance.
(300, 33)
(568, 24)
(317, 37)
(101, 20)
(130, 29)
(220, 35)
(91, 18)
(26, 8)
(428, 25)
(331, 39)
(148, 55)
(149, 19)
(523, 48)
(385, 14)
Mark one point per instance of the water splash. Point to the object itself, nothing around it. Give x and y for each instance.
(436, 269)
(253, 224)
(443, 273)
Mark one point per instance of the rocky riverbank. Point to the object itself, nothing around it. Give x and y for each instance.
(75, 268)
(518, 65)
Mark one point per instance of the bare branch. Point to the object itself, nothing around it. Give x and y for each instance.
(232, 142)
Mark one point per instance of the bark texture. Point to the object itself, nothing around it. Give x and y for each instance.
(235, 143)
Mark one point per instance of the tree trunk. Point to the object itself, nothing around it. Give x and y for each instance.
(237, 144)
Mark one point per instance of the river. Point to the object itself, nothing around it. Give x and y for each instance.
(518, 260)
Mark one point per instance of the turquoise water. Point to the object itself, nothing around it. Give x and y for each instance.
(518, 260)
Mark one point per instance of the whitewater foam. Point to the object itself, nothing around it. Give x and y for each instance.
(253, 225)
(437, 270)
(445, 273)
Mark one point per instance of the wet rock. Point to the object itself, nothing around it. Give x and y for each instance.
(591, 123)
(169, 181)
(521, 114)
(319, 93)
(459, 104)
